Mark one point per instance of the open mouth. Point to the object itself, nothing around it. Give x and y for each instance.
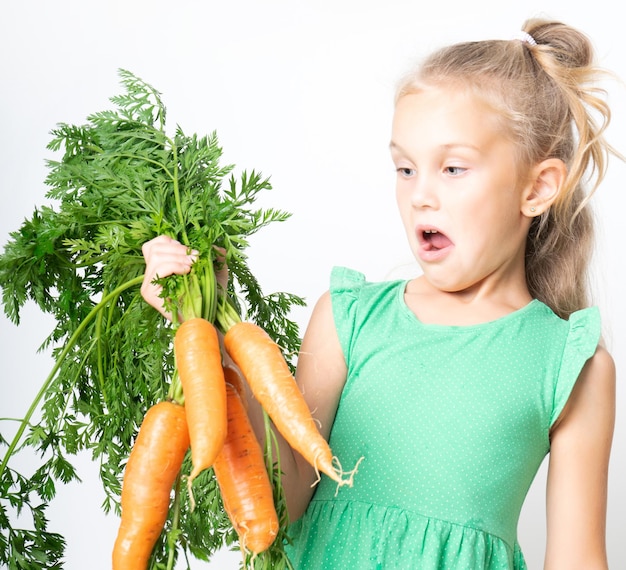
(434, 240)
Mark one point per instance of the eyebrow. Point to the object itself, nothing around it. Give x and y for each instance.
(449, 146)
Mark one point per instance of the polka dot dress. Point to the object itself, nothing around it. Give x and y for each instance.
(452, 423)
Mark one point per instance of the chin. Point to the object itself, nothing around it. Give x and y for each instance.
(446, 285)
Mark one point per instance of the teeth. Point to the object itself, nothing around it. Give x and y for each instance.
(431, 232)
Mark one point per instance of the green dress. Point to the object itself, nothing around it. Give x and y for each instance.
(452, 422)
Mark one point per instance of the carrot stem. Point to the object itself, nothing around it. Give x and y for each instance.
(226, 315)
(179, 207)
(172, 535)
(175, 392)
(210, 292)
(100, 354)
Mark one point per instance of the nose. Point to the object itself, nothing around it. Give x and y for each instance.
(424, 192)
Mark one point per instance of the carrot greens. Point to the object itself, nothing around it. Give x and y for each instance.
(116, 182)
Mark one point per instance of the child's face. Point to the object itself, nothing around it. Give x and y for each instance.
(457, 190)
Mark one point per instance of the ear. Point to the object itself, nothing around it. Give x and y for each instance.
(546, 180)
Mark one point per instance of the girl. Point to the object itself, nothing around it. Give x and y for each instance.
(453, 386)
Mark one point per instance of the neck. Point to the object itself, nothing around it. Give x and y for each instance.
(489, 299)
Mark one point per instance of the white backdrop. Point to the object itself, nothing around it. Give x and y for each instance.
(303, 92)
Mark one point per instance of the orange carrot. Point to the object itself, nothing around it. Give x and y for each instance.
(272, 383)
(152, 467)
(199, 363)
(233, 377)
(243, 480)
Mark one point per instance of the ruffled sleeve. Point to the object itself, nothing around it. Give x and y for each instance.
(580, 345)
(345, 286)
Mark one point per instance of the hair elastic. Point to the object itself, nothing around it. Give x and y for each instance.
(525, 37)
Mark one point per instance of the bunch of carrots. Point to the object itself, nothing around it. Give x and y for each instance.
(121, 180)
(207, 412)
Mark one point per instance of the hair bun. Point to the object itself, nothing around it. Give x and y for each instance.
(571, 47)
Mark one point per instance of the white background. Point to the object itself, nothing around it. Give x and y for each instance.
(303, 92)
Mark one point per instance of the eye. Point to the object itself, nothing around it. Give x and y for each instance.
(454, 170)
(405, 172)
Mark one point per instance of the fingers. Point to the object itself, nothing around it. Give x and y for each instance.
(164, 256)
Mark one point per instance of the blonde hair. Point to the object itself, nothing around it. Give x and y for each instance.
(551, 107)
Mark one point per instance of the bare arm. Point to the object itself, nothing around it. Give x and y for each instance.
(578, 471)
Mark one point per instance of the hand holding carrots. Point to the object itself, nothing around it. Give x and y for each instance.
(164, 256)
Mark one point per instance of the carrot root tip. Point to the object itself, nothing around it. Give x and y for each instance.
(318, 474)
(245, 551)
(337, 474)
(345, 477)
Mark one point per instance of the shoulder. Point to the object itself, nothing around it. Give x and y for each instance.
(602, 365)
(592, 402)
(320, 343)
(352, 291)
(322, 314)
(598, 378)
(351, 281)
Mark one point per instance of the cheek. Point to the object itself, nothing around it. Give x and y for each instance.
(404, 209)
(403, 202)
(409, 229)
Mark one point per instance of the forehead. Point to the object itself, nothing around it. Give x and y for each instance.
(439, 112)
(445, 105)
